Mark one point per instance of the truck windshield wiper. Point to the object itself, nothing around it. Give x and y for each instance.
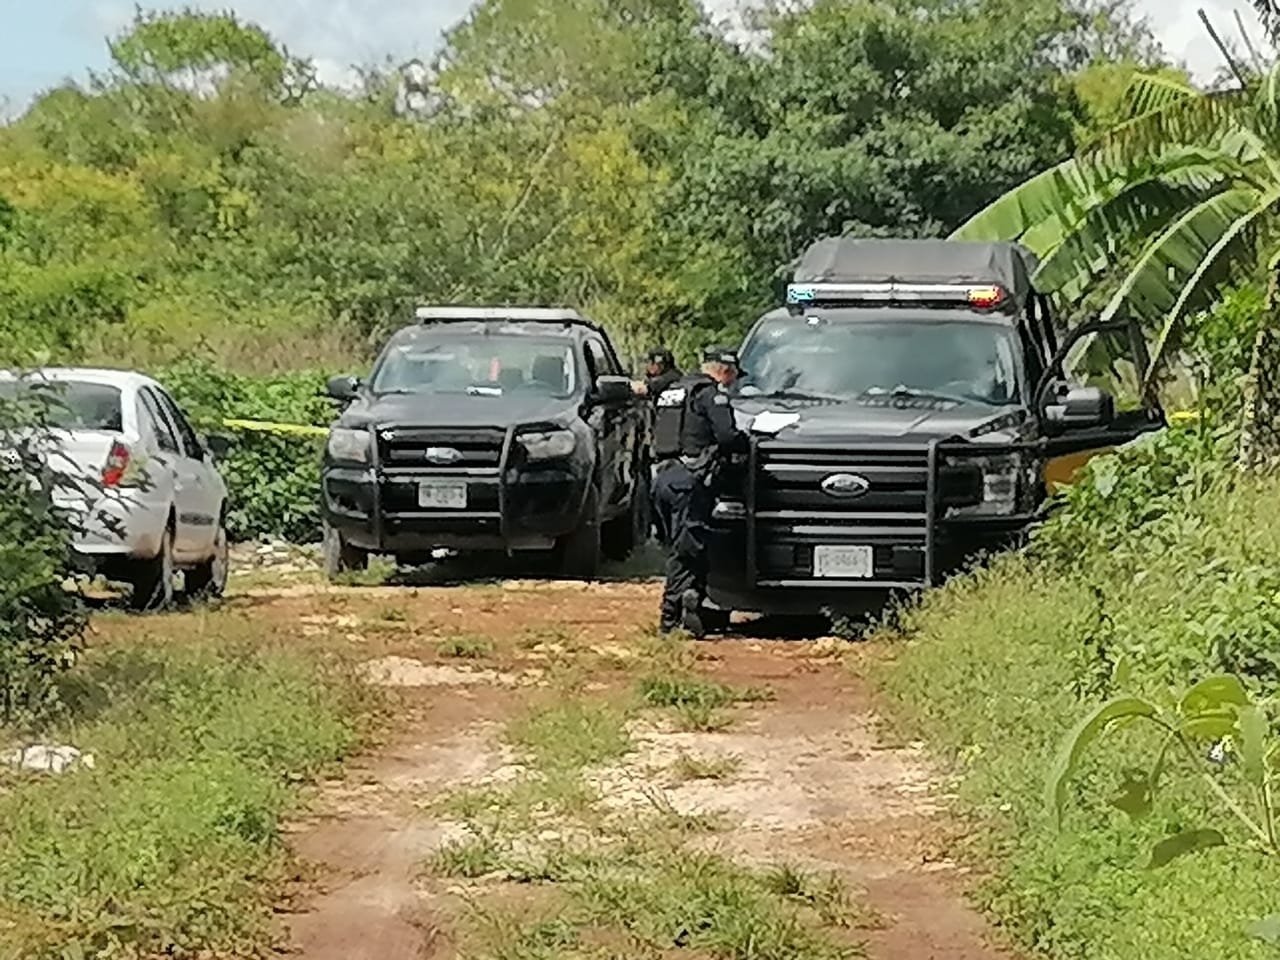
(798, 395)
(901, 391)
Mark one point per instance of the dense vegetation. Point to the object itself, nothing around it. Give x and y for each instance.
(171, 843)
(206, 194)
(1157, 572)
(207, 210)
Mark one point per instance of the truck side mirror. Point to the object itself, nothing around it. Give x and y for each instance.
(343, 389)
(612, 391)
(1076, 408)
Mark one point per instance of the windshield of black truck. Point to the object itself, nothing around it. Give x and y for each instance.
(934, 360)
(493, 365)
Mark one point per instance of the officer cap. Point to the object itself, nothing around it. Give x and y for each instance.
(726, 355)
(660, 355)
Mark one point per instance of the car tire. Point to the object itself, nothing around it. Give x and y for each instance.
(578, 554)
(152, 580)
(208, 581)
(341, 557)
(623, 535)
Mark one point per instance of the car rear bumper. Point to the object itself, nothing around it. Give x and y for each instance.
(120, 524)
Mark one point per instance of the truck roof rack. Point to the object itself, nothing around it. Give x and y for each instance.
(564, 316)
(979, 296)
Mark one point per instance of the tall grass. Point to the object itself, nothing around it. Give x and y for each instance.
(1160, 571)
(172, 840)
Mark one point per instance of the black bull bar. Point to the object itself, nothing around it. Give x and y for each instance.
(902, 507)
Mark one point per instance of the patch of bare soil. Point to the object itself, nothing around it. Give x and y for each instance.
(805, 780)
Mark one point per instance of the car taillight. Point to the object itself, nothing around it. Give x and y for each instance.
(117, 463)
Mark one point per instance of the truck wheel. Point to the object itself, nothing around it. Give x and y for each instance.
(578, 553)
(623, 535)
(152, 580)
(208, 581)
(341, 557)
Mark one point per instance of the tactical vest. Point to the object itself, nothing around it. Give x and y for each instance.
(673, 407)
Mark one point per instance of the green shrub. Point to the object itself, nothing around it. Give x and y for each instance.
(41, 621)
(171, 841)
(274, 478)
(1157, 571)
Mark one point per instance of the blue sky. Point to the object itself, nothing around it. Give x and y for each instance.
(47, 41)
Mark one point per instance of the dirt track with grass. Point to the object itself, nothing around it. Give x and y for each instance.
(553, 781)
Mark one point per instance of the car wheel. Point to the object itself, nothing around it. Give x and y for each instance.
(624, 534)
(152, 579)
(208, 581)
(578, 553)
(341, 557)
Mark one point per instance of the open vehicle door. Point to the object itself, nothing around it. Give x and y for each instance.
(1081, 422)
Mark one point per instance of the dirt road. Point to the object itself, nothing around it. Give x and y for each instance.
(550, 773)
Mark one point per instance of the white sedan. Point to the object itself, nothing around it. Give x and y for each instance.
(143, 488)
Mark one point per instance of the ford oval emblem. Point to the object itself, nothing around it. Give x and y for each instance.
(845, 485)
(442, 455)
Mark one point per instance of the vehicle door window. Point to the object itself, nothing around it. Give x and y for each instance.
(166, 437)
(194, 448)
(599, 361)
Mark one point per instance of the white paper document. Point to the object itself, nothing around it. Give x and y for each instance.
(771, 421)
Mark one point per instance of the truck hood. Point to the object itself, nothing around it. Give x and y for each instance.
(852, 420)
(459, 410)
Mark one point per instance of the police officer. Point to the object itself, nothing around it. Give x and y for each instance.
(660, 372)
(686, 491)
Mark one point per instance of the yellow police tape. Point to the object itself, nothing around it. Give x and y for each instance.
(306, 430)
(265, 426)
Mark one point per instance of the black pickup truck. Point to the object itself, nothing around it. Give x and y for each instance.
(488, 429)
(931, 412)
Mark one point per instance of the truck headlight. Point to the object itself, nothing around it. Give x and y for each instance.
(1002, 484)
(349, 446)
(548, 444)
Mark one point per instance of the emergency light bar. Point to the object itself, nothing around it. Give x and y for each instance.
(810, 294)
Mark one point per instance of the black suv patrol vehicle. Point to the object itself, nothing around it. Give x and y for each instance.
(932, 414)
(488, 429)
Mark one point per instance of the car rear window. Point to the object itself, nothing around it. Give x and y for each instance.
(71, 404)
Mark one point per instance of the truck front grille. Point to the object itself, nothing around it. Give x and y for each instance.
(883, 504)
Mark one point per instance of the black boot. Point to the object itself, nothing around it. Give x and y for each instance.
(691, 618)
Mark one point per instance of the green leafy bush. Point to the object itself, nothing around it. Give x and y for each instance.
(41, 621)
(274, 478)
(1156, 572)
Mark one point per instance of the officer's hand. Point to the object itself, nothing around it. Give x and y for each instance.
(639, 388)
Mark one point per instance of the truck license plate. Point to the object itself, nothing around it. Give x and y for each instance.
(442, 495)
(844, 563)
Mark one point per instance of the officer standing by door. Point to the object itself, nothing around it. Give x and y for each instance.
(686, 491)
(660, 372)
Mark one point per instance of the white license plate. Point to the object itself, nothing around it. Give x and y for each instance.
(442, 495)
(843, 563)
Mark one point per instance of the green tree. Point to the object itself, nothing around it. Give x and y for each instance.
(1174, 201)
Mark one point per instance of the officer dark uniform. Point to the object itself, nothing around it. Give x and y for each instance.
(661, 360)
(686, 491)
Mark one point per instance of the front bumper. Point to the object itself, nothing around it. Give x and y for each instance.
(510, 504)
(764, 560)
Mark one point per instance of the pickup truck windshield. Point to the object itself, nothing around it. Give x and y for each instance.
(933, 359)
(490, 365)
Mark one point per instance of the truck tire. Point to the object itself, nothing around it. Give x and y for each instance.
(339, 556)
(577, 554)
(623, 535)
(152, 580)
